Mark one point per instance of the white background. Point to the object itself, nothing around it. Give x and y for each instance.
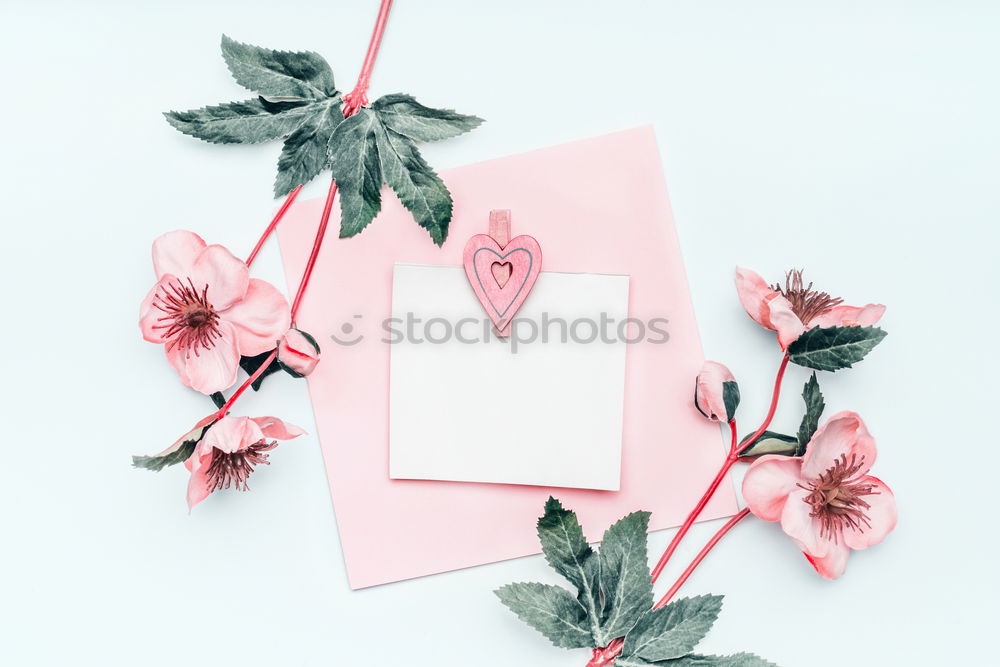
(856, 139)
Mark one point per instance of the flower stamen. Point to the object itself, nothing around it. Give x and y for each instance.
(836, 498)
(233, 468)
(806, 302)
(190, 321)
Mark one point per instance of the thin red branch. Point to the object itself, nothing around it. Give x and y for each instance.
(726, 465)
(358, 97)
(774, 403)
(701, 556)
(249, 381)
(696, 512)
(274, 223)
(317, 244)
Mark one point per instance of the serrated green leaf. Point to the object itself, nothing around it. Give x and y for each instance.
(566, 550)
(306, 151)
(770, 442)
(833, 348)
(281, 74)
(734, 660)
(246, 122)
(551, 610)
(354, 162)
(815, 404)
(674, 630)
(404, 115)
(563, 543)
(625, 577)
(418, 187)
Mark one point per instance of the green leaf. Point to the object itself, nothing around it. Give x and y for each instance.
(566, 550)
(833, 348)
(674, 630)
(288, 74)
(551, 610)
(418, 187)
(306, 151)
(770, 442)
(251, 364)
(731, 398)
(354, 161)
(246, 122)
(563, 543)
(815, 404)
(404, 115)
(625, 577)
(179, 452)
(734, 660)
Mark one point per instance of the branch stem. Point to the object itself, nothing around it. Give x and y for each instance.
(701, 556)
(274, 223)
(734, 451)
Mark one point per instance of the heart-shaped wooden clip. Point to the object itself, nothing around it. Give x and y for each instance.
(502, 270)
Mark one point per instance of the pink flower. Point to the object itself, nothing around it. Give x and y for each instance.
(794, 308)
(227, 453)
(826, 501)
(298, 352)
(714, 384)
(208, 312)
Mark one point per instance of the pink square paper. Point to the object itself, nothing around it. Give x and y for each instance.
(598, 205)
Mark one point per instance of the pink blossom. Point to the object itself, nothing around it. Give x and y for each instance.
(298, 352)
(826, 502)
(796, 307)
(228, 451)
(709, 391)
(207, 311)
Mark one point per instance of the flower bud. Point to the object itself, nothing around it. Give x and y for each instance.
(716, 393)
(298, 352)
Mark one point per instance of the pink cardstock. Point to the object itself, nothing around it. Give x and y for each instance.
(596, 206)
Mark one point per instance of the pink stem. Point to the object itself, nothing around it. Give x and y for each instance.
(602, 657)
(726, 465)
(359, 96)
(317, 243)
(774, 403)
(701, 556)
(249, 381)
(274, 223)
(696, 512)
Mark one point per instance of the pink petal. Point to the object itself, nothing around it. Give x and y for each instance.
(175, 252)
(212, 369)
(260, 319)
(843, 434)
(298, 352)
(149, 315)
(784, 321)
(232, 434)
(709, 395)
(753, 293)
(882, 515)
(272, 427)
(198, 488)
(767, 484)
(850, 316)
(832, 564)
(800, 526)
(226, 276)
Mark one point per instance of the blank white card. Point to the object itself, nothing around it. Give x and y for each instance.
(542, 407)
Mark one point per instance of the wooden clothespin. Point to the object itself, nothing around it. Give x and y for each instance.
(502, 270)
